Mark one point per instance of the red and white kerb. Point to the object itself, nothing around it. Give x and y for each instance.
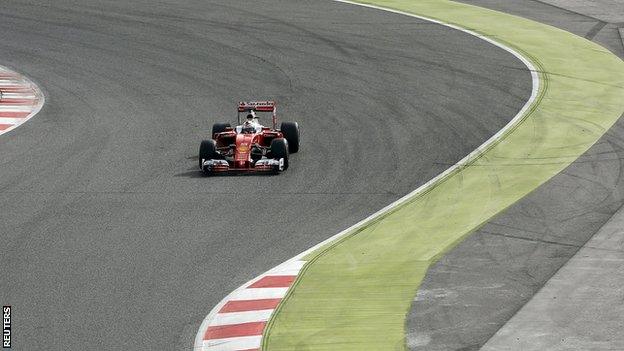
(238, 322)
(20, 99)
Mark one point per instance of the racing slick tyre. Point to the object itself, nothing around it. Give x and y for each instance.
(207, 151)
(219, 128)
(279, 149)
(291, 133)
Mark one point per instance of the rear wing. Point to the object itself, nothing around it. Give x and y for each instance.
(258, 106)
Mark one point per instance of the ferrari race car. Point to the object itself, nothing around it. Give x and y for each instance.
(250, 146)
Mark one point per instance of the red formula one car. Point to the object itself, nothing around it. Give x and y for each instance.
(250, 146)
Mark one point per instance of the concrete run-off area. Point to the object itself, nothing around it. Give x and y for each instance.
(581, 307)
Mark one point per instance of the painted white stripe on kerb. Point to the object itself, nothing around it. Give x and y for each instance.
(240, 317)
(12, 82)
(289, 268)
(233, 344)
(259, 293)
(7, 120)
(517, 118)
(18, 108)
(17, 96)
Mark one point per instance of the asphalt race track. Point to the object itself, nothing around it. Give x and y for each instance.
(111, 239)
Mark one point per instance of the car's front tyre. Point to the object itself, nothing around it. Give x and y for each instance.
(207, 151)
(279, 149)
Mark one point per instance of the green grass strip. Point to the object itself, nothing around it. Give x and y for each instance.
(354, 293)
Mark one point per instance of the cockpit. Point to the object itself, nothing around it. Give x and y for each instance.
(249, 128)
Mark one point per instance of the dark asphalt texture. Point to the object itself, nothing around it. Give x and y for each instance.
(477, 287)
(112, 240)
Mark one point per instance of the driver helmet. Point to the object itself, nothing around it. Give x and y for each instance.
(248, 126)
(251, 116)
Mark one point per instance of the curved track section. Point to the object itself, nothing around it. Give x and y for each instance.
(113, 238)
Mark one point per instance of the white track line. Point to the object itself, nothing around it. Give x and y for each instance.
(297, 260)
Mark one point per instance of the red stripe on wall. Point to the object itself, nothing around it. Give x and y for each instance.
(234, 330)
(5, 126)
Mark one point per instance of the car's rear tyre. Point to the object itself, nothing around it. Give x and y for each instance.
(219, 128)
(279, 149)
(291, 133)
(207, 151)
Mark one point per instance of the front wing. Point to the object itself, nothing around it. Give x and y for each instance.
(263, 165)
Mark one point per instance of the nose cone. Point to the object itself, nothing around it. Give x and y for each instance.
(242, 156)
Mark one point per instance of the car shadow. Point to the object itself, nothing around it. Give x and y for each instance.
(191, 173)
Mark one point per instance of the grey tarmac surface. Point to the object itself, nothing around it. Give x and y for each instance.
(580, 307)
(112, 239)
(473, 291)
